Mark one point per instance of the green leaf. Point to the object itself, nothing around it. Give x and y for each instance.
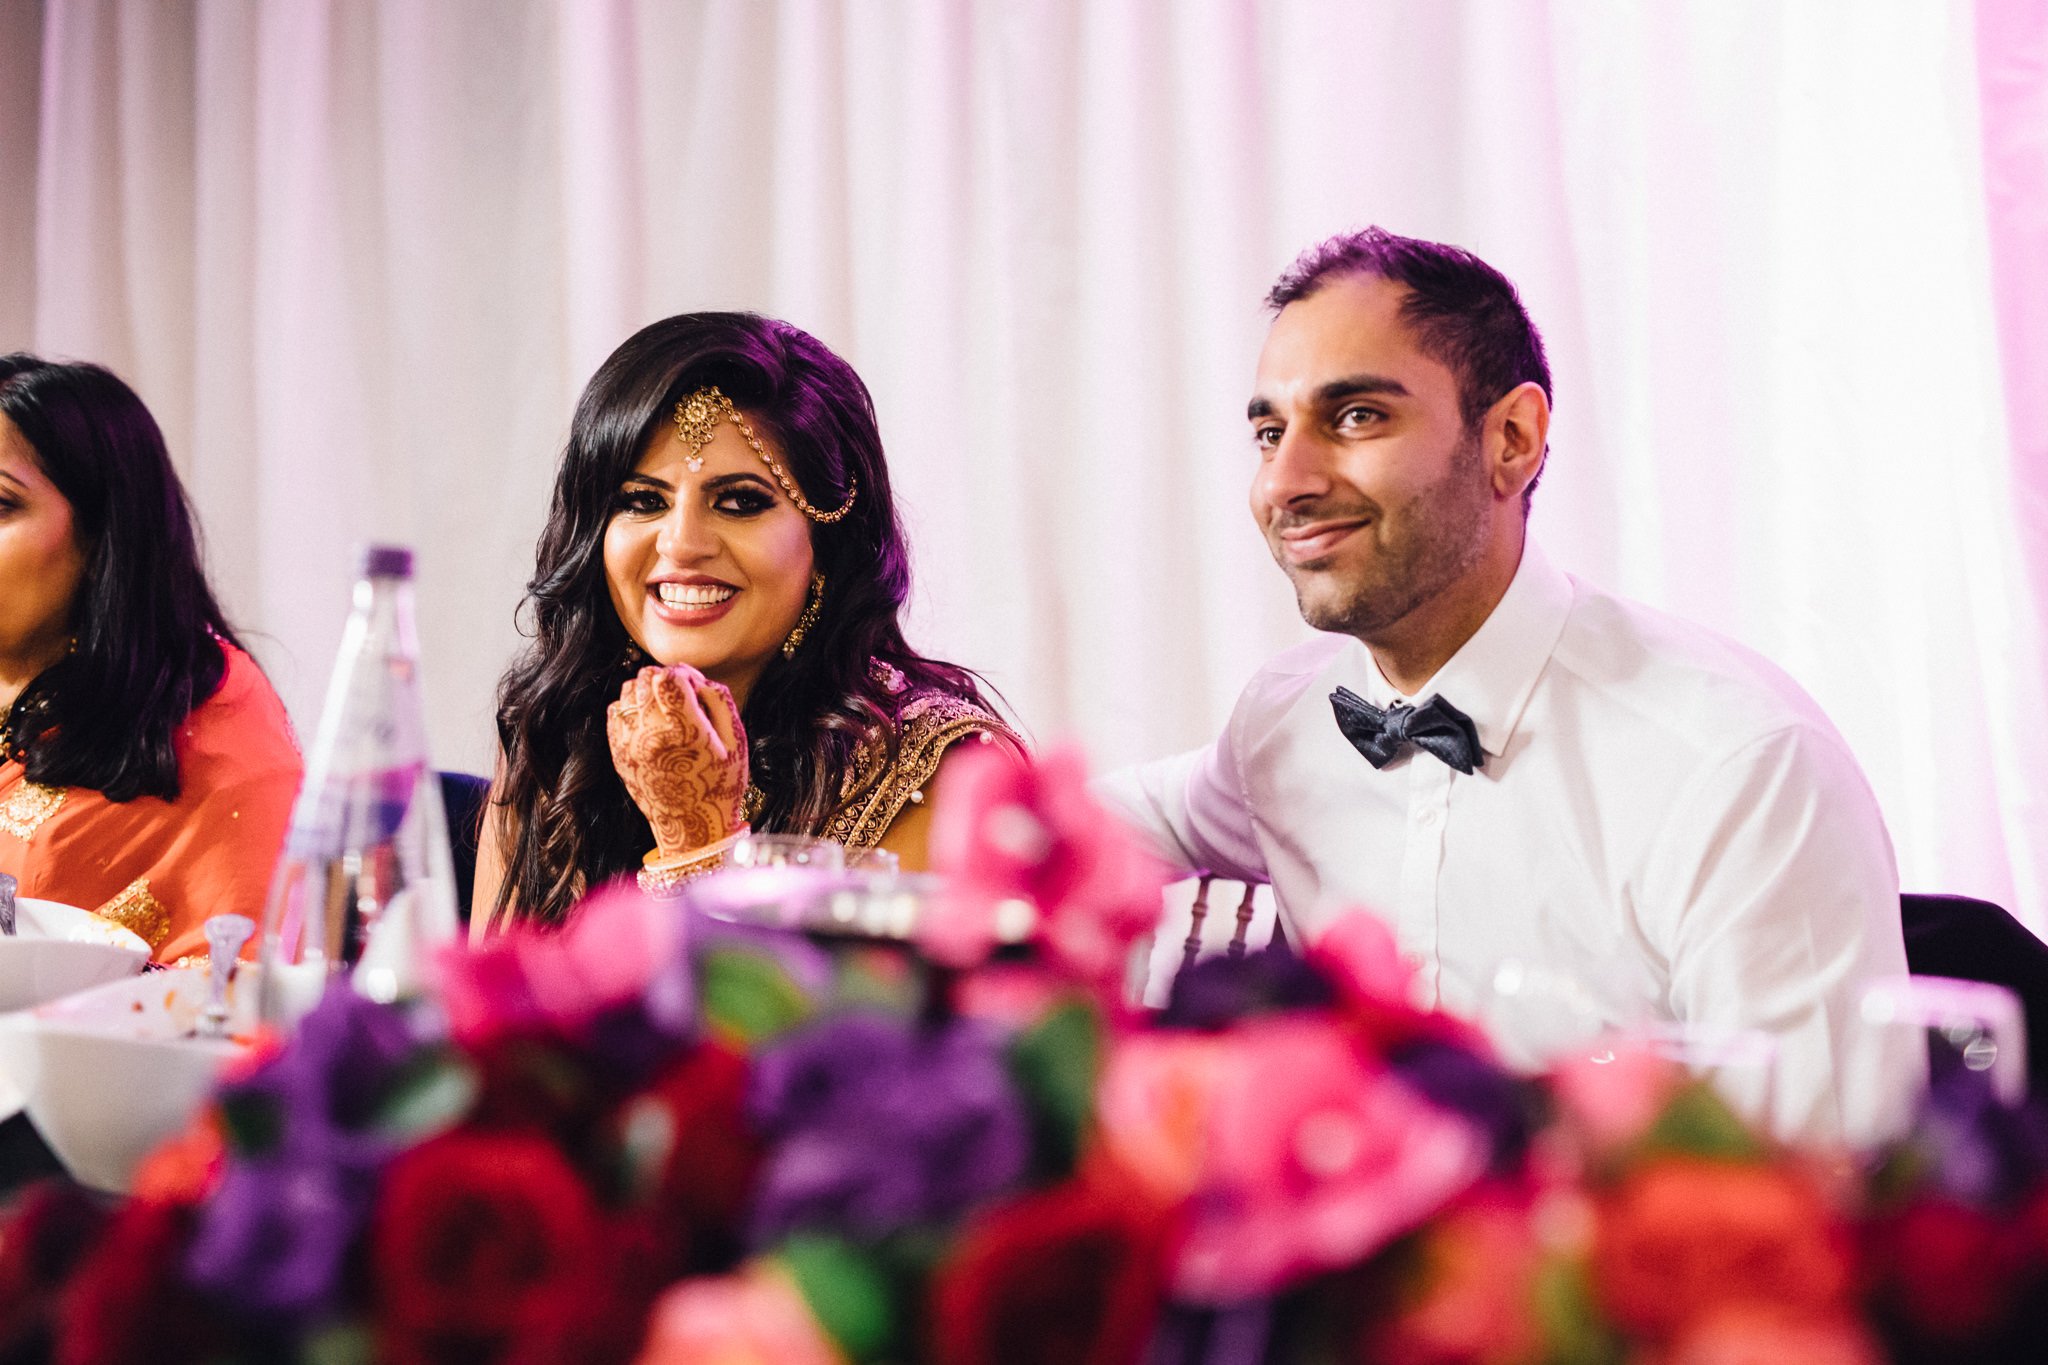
(647, 1139)
(1055, 1064)
(1698, 1122)
(1902, 1169)
(879, 977)
(345, 1343)
(748, 997)
(847, 1292)
(431, 1093)
(252, 1121)
(1570, 1323)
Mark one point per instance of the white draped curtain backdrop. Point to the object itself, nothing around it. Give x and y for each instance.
(360, 256)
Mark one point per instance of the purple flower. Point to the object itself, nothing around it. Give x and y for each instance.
(1217, 991)
(875, 1124)
(1980, 1150)
(302, 1165)
(273, 1239)
(314, 1098)
(1459, 1080)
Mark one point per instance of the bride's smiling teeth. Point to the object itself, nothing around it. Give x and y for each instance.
(693, 594)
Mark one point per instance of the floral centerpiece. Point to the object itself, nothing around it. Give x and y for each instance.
(662, 1139)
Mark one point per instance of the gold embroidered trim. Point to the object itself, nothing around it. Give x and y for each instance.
(930, 723)
(192, 962)
(142, 914)
(25, 810)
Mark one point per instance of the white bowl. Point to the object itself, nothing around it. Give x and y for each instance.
(109, 1073)
(58, 949)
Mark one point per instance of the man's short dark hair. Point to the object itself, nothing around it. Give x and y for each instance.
(1465, 313)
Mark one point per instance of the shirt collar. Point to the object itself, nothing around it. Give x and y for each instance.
(1492, 675)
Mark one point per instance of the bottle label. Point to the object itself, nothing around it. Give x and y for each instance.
(353, 811)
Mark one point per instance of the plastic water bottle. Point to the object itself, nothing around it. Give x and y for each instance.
(366, 884)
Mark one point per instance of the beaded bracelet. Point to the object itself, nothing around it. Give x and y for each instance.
(664, 876)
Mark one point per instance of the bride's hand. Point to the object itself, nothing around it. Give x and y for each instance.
(678, 746)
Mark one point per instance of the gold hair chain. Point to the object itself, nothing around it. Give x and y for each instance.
(697, 419)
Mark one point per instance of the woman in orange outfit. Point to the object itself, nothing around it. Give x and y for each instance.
(147, 768)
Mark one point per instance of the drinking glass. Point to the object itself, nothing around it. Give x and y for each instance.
(787, 850)
(875, 862)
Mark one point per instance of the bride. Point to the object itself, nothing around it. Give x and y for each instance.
(714, 614)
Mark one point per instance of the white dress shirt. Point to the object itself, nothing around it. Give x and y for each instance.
(1665, 829)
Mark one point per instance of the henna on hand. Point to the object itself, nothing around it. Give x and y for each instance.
(678, 745)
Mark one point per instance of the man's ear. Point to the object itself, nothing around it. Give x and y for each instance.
(1517, 436)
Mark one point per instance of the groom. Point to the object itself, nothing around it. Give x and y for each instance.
(1574, 811)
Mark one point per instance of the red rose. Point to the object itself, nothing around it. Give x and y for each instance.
(129, 1301)
(1949, 1272)
(1073, 1275)
(487, 1247)
(50, 1229)
(713, 1155)
(691, 1160)
(1683, 1235)
(536, 1084)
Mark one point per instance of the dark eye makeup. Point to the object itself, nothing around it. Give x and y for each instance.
(743, 501)
(641, 501)
(736, 495)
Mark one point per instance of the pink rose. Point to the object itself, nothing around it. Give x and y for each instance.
(1375, 987)
(1360, 957)
(1013, 832)
(1294, 1154)
(526, 979)
(1013, 996)
(1613, 1096)
(756, 1316)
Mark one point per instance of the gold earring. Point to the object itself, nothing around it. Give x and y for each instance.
(808, 619)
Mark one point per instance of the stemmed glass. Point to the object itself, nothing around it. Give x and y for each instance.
(1974, 1022)
(1540, 1017)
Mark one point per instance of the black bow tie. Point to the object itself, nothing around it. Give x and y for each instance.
(1436, 726)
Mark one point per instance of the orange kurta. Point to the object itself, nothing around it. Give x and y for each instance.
(161, 867)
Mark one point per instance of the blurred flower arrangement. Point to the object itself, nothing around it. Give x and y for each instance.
(633, 1141)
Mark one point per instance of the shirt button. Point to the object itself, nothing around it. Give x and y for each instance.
(1430, 818)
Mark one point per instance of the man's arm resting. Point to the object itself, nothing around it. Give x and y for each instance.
(1189, 810)
(1774, 892)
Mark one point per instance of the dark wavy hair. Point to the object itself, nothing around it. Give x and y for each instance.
(148, 628)
(567, 822)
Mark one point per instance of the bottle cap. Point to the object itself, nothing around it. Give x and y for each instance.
(385, 561)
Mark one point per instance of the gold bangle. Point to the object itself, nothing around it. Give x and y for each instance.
(662, 876)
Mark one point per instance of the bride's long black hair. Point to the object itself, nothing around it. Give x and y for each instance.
(147, 627)
(566, 822)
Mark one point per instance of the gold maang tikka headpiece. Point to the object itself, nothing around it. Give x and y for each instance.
(697, 419)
